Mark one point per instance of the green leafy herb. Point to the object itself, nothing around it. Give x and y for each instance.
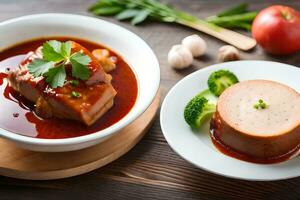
(74, 82)
(39, 67)
(79, 62)
(75, 94)
(260, 105)
(52, 51)
(138, 11)
(66, 49)
(56, 76)
(55, 57)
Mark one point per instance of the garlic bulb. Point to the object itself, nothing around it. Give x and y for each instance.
(228, 53)
(195, 44)
(180, 57)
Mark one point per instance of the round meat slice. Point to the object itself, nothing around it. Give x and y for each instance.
(262, 132)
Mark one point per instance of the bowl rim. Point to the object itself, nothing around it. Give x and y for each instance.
(99, 134)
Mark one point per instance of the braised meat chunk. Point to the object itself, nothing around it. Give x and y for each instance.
(61, 91)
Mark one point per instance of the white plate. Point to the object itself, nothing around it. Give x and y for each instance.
(197, 148)
(132, 48)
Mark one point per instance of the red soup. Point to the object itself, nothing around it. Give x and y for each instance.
(16, 113)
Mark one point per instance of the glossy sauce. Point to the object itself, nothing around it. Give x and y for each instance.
(16, 113)
(225, 149)
(2, 77)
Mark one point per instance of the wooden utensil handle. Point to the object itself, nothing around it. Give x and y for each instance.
(236, 39)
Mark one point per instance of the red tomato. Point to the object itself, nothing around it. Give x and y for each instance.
(277, 29)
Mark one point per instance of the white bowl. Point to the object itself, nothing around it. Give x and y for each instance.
(133, 49)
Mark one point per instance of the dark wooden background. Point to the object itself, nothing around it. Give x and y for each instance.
(152, 170)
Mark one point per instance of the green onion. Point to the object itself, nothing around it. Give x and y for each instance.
(75, 94)
(260, 105)
(137, 11)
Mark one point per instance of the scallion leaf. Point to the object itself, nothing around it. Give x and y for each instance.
(127, 14)
(123, 9)
(107, 10)
(246, 17)
(140, 17)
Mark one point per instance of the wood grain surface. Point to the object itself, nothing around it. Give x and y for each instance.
(152, 170)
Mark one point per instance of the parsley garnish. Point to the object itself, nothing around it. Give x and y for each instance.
(52, 66)
(39, 67)
(79, 62)
(56, 76)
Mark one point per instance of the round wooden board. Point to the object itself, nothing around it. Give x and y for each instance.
(24, 164)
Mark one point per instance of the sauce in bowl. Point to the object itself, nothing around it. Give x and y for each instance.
(17, 113)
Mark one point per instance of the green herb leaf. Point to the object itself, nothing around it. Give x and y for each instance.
(66, 49)
(140, 17)
(56, 76)
(74, 82)
(52, 51)
(79, 63)
(39, 66)
(127, 14)
(75, 94)
(55, 56)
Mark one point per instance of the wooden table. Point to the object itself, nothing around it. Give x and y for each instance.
(152, 170)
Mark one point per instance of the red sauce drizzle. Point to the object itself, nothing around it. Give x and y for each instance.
(225, 149)
(2, 77)
(27, 123)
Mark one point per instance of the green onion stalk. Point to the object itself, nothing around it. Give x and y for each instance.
(138, 11)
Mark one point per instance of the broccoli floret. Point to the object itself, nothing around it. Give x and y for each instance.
(220, 80)
(199, 108)
(209, 96)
